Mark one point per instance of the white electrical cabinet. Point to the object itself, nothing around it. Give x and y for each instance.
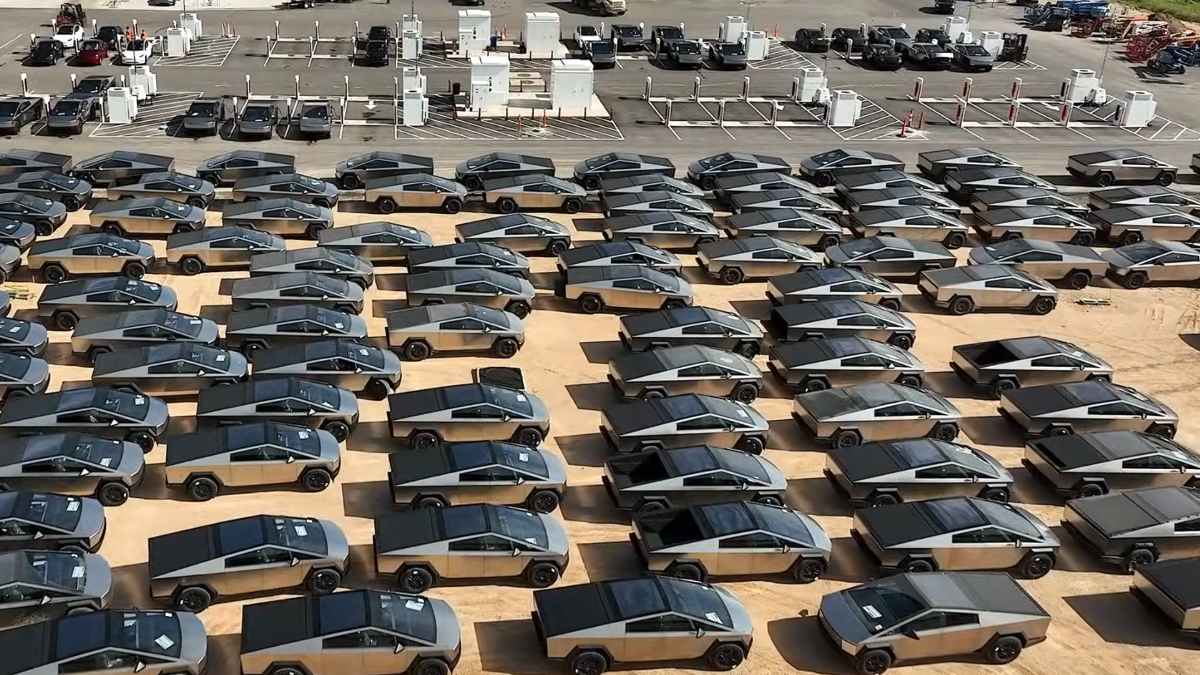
(571, 84)
(192, 24)
(416, 108)
(179, 42)
(411, 78)
(845, 107)
(121, 104)
(489, 80)
(1137, 109)
(143, 82)
(410, 45)
(757, 45)
(955, 27)
(1083, 87)
(731, 29)
(474, 30)
(813, 87)
(992, 41)
(541, 33)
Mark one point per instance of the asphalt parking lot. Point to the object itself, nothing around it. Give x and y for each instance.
(1151, 336)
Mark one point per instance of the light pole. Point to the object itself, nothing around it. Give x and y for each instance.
(749, 5)
(1103, 61)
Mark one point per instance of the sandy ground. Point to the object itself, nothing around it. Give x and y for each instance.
(1097, 624)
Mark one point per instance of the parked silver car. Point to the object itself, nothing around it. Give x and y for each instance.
(284, 399)
(230, 167)
(119, 167)
(1142, 195)
(1024, 197)
(909, 222)
(1146, 262)
(352, 631)
(420, 332)
(192, 568)
(840, 318)
(285, 216)
(790, 198)
(1004, 365)
(468, 255)
(650, 183)
(726, 187)
(623, 287)
(1091, 464)
(99, 410)
(68, 302)
(256, 329)
(415, 191)
(891, 472)
(348, 364)
(824, 168)
(806, 228)
(73, 193)
(579, 624)
(680, 421)
(149, 215)
(1034, 222)
(22, 375)
(905, 618)
(292, 185)
(420, 547)
(533, 191)
(962, 290)
(93, 253)
(47, 520)
(170, 369)
(468, 412)
(937, 163)
(481, 286)
(1071, 265)
(251, 455)
(813, 365)
(326, 261)
(732, 539)
(355, 172)
(831, 283)
(883, 179)
(223, 247)
(1125, 225)
(608, 253)
(665, 229)
(483, 472)
(691, 325)
(706, 171)
(656, 480)
(297, 288)
(46, 215)
(1105, 167)
(734, 260)
(1091, 405)
(178, 187)
(966, 182)
(591, 171)
(861, 200)
(134, 328)
(23, 337)
(73, 464)
(890, 257)
(36, 581)
(1170, 587)
(1138, 527)
(473, 172)
(687, 369)
(641, 203)
(876, 411)
(956, 533)
(381, 242)
(517, 232)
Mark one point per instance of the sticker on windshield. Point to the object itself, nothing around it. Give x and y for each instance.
(416, 604)
(139, 400)
(523, 456)
(713, 617)
(77, 573)
(870, 611)
(164, 642)
(194, 321)
(364, 352)
(105, 461)
(303, 435)
(521, 398)
(339, 325)
(301, 530)
(73, 506)
(220, 357)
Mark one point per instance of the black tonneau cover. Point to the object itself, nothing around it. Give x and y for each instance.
(405, 529)
(1176, 579)
(567, 609)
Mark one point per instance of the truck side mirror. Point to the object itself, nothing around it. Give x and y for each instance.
(293, 562)
(399, 648)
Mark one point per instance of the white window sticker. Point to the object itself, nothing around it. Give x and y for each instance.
(194, 322)
(105, 461)
(164, 642)
(77, 573)
(713, 617)
(416, 604)
(139, 400)
(301, 530)
(220, 357)
(364, 352)
(39, 563)
(303, 435)
(15, 329)
(129, 623)
(871, 611)
(339, 325)
(73, 506)
(523, 456)
(521, 398)
(532, 540)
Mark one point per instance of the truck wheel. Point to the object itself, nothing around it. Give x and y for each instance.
(44, 228)
(955, 240)
(528, 436)
(890, 303)
(191, 266)
(543, 501)
(917, 565)
(202, 488)
(1139, 557)
(558, 247)
(689, 571)
(71, 203)
(572, 205)
(1043, 305)
(113, 494)
(506, 205)
(1004, 384)
(64, 320)
(673, 303)
(417, 350)
(1135, 280)
(808, 571)
(415, 580)
(745, 393)
(314, 230)
(883, 499)
(589, 663)
(285, 670)
(350, 181)
(431, 667)
(846, 438)
(901, 340)
(726, 656)
(650, 506)
(1004, 649)
(1164, 430)
(961, 305)
(143, 439)
(452, 205)
(340, 430)
(197, 202)
(520, 308)
(385, 205)
(828, 241)
(194, 599)
(180, 228)
(1130, 237)
(506, 347)
(1090, 490)
(590, 304)
(751, 444)
(112, 227)
(913, 381)
(732, 275)
(541, 574)
(747, 349)
(377, 389)
(995, 494)
(945, 431)
(1165, 178)
(424, 439)
(53, 273)
(315, 480)
(1084, 238)
(813, 384)
(430, 502)
(134, 269)
(322, 582)
(873, 662)
(94, 353)
(1078, 280)
(1036, 565)
(1104, 179)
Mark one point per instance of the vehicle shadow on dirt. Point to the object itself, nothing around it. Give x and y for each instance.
(1120, 618)
(801, 642)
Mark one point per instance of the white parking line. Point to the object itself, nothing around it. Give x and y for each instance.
(207, 52)
(152, 118)
(16, 37)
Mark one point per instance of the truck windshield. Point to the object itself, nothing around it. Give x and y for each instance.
(886, 604)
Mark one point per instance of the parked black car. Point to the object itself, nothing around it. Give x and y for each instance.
(17, 111)
(812, 40)
(881, 57)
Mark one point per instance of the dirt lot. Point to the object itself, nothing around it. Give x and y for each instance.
(1097, 624)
